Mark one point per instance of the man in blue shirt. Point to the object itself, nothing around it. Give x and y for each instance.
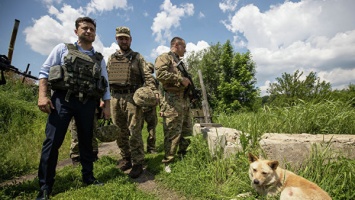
(78, 84)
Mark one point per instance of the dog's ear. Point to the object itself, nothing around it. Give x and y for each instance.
(273, 164)
(252, 158)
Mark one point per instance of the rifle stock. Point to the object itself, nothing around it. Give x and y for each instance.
(191, 90)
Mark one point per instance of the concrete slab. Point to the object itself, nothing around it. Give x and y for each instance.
(296, 148)
(292, 149)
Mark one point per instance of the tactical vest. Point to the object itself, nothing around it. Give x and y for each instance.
(123, 71)
(80, 75)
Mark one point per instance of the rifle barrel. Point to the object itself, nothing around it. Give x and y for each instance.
(13, 39)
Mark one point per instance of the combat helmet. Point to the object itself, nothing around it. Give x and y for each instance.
(144, 97)
(107, 131)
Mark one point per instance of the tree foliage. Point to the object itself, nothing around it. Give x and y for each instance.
(229, 77)
(345, 95)
(290, 88)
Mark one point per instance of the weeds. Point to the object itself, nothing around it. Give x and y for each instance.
(198, 175)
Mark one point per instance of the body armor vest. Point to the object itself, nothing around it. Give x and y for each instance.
(80, 75)
(123, 70)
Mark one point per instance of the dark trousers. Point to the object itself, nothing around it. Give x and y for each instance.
(56, 128)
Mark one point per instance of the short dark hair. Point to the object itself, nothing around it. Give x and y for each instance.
(174, 40)
(84, 19)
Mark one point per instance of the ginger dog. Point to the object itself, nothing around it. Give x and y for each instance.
(269, 179)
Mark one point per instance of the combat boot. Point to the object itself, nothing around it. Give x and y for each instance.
(124, 164)
(136, 171)
(152, 151)
(75, 161)
(96, 157)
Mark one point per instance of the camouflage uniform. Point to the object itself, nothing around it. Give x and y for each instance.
(125, 114)
(74, 146)
(175, 107)
(150, 116)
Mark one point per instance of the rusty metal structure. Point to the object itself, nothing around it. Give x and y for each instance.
(5, 61)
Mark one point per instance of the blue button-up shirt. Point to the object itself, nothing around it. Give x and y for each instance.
(56, 57)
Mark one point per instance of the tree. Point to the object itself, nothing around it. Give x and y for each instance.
(290, 88)
(229, 77)
(345, 95)
(207, 61)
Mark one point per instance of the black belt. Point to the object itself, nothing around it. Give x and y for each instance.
(126, 91)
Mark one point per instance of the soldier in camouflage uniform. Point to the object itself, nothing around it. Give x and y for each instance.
(127, 72)
(150, 116)
(175, 105)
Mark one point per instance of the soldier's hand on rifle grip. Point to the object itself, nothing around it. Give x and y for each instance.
(185, 82)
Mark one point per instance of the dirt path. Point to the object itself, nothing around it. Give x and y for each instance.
(146, 182)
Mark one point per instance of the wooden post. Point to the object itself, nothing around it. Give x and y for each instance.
(205, 106)
(13, 39)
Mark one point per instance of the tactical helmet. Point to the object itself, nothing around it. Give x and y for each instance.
(144, 97)
(107, 131)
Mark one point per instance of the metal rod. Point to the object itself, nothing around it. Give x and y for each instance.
(26, 72)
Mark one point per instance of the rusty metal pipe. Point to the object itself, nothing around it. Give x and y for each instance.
(13, 39)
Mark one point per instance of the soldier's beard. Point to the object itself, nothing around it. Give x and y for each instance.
(124, 48)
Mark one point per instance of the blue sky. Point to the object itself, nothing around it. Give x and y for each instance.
(282, 36)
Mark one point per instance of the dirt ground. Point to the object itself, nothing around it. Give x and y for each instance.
(146, 182)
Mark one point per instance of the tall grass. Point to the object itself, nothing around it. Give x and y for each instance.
(329, 117)
(201, 176)
(198, 175)
(21, 130)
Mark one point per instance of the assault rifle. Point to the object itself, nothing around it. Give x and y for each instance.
(6, 66)
(191, 91)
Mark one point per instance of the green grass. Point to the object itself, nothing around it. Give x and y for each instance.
(196, 176)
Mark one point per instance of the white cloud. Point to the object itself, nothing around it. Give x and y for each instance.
(107, 5)
(228, 5)
(57, 27)
(169, 18)
(190, 47)
(159, 50)
(49, 31)
(107, 51)
(340, 76)
(201, 15)
(304, 35)
(51, 2)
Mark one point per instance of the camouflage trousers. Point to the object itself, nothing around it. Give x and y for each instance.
(129, 117)
(74, 146)
(150, 116)
(177, 124)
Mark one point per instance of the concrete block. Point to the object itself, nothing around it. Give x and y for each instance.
(221, 139)
(294, 149)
